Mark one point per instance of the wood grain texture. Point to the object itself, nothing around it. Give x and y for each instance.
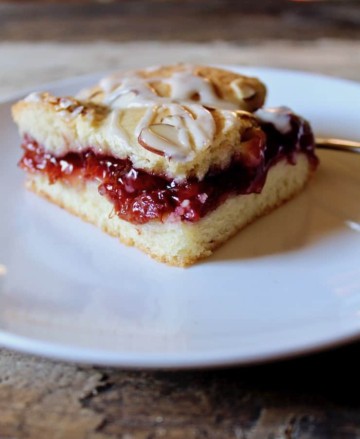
(197, 20)
(41, 399)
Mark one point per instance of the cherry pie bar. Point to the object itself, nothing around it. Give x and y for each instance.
(173, 160)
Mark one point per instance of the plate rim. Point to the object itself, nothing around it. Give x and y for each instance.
(171, 360)
(146, 361)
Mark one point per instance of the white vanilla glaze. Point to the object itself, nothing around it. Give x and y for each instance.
(279, 117)
(34, 97)
(189, 125)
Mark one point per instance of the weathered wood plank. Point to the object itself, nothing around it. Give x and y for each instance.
(179, 20)
(41, 399)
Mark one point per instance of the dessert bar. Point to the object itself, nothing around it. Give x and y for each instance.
(174, 160)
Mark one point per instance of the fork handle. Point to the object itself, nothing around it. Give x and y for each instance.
(338, 144)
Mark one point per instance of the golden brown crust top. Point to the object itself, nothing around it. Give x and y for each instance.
(246, 93)
(175, 120)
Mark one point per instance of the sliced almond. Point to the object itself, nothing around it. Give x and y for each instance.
(77, 110)
(162, 139)
(122, 98)
(34, 97)
(242, 90)
(65, 103)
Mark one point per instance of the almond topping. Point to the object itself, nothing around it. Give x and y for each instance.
(66, 103)
(123, 97)
(163, 139)
(242, 90)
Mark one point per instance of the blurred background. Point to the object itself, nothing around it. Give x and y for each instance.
(42, 41)
(189, 20)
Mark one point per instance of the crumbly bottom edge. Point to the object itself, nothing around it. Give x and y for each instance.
(179, 243)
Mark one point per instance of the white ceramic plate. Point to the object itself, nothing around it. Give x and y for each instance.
(290, 283)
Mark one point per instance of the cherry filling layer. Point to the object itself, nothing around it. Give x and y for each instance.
(139, 197)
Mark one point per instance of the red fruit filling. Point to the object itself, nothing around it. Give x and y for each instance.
(139, 197)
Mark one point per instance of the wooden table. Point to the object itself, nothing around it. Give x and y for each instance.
(315, 397)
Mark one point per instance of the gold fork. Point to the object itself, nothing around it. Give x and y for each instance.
(337, 144)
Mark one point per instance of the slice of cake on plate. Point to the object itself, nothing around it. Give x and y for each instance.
(174, 160)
